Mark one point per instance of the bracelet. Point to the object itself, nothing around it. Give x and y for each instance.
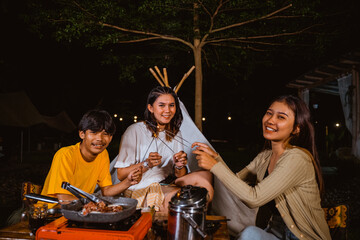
(178, 168)
(146, 164)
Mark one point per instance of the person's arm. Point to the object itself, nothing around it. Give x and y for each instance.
(205, 155)
(132, 178)
(213, 157)
(243, 174)
(153, 160)
(122, 173)
(287, 173)
(180, 161)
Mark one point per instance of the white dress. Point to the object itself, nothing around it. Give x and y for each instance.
(136, 144)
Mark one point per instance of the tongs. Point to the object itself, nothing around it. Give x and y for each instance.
(78, 192)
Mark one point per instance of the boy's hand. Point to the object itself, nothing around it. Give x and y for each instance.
(180, 160)
(135, 176)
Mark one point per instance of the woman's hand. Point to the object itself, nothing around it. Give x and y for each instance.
(180, 160)
(205, 148)
(135, 176)
(205, 155)
(154, 159)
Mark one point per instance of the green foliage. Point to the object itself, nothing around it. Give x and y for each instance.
(127, 20)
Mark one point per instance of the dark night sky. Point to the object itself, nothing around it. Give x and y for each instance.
(61, 77)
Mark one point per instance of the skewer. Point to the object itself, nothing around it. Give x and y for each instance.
(157, 149)
(183, 79)
(166, 145)
(156, 77)
(167, 133)
(147, 150)
(172, 135)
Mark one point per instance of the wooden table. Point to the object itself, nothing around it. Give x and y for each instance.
(222, 233)
(17, 231)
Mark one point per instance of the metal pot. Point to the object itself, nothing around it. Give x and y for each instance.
(187, 212)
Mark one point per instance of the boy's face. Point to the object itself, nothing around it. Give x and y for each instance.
(93, 143)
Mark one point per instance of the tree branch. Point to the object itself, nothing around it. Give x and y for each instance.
(158, 36)
(282, 34)
(212, 17)
(252, 20)
(262, 36)
(139, 40)
(242, 47)
(261, 43)
(297, 16)
(205, 9)
(83, 9)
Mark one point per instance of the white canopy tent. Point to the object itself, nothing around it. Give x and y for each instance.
(341, 78)
(17, 110)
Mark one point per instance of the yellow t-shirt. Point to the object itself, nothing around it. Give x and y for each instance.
(69, 166)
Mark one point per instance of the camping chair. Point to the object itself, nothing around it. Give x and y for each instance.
(337, 218)
(29, 187)
(19, 214)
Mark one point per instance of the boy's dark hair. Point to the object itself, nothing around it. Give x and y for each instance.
(97, 120)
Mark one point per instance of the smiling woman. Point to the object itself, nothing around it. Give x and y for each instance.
(163, 109)
(156, 145)
(287, 171)
(278, 122)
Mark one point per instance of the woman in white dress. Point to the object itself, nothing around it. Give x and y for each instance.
(156, 145)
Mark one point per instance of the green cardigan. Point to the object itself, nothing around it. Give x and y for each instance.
(292, 184)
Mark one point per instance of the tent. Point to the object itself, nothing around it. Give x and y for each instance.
(339, 77)
(17, 110)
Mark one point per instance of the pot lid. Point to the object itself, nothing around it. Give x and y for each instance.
(189, 196)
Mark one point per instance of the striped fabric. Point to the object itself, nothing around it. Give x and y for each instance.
(151, 196)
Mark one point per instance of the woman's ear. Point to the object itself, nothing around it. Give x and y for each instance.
(150, 108)
(296, 130)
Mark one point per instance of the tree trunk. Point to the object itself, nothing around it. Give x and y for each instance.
(198, 68)
(198, 87)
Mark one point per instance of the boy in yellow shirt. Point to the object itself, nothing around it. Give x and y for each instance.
(87, 163)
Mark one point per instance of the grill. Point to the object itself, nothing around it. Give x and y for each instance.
(131, 228)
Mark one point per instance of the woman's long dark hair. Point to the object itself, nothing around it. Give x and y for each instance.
(306, 136)
(173, 127)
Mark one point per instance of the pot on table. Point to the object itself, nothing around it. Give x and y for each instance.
(187, 213)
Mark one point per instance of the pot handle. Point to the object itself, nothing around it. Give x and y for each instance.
(192, 222)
